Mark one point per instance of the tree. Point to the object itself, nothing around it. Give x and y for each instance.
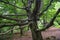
(33, 13)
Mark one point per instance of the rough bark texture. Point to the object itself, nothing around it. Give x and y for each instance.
(33, 25)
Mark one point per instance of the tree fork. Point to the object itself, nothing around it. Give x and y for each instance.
(36, 35)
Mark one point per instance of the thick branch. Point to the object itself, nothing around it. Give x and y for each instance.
(15, 19)
(46, 8)
(10, 24)
(52, 20)
(37, 6)
(4, 17)
(36, 10)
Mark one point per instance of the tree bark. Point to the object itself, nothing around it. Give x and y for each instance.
(33, 18)
(36, 35)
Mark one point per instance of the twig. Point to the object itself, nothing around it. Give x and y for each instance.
(11, 4)
(15, 15)
(8, 31)
(23, 3)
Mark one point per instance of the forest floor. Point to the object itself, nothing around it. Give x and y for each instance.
(49, 32)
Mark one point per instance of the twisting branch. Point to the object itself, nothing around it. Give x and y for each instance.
(11, 4)
(51, 22)
(4, 17)
(7, 24)
(9, 18)
(46, 8)
(15, 19)
(10, 24)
